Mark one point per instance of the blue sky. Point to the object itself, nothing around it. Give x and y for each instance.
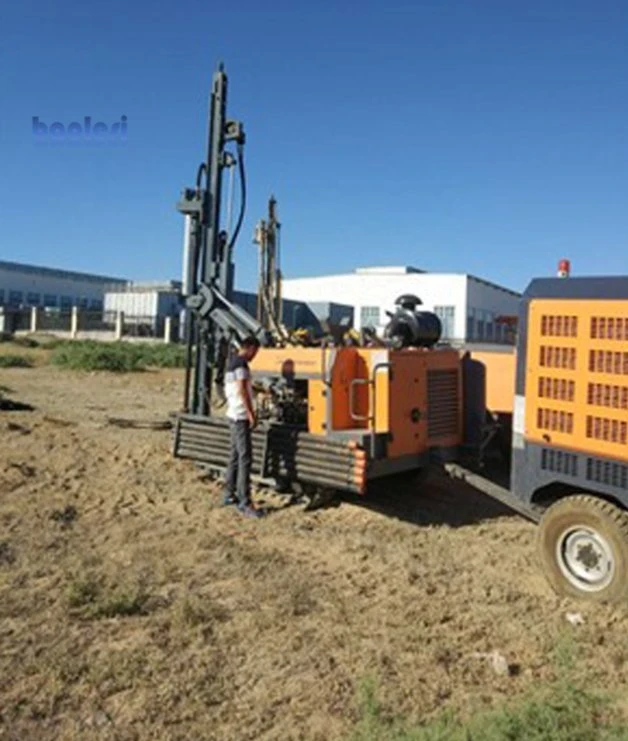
(455, 135)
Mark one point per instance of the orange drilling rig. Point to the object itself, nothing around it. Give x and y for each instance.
(335, 417)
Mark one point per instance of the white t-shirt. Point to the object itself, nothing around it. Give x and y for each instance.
(237, 370)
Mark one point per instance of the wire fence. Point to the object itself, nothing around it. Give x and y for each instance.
(90, 323)
(19, 320)
(96, 321)
(144, 326)
(49, 321)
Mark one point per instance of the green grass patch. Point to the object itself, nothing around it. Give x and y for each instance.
(90, 599)
(560, 711)
(83, 593)
(117, 357)
(163, 355)
(15, 361)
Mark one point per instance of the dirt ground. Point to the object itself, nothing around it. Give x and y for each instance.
(134, 607)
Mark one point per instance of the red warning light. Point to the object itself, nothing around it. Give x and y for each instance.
(564, 268)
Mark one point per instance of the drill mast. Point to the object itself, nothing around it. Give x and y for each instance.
(212, 320)
(267, 233)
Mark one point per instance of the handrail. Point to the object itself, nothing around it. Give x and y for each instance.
(377, 367)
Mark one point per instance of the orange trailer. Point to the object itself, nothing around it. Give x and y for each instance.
(374, 411)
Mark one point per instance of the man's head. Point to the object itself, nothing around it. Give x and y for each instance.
(249, 348)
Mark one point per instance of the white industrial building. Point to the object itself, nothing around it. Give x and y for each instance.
(144, 300)
(145, 306)
(468, 307)
(31, 285)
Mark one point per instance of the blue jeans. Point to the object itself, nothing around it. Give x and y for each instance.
(238, 475)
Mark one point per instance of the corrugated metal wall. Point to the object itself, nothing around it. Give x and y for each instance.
(141, 303)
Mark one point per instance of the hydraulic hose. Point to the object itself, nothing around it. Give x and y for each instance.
(242, 174)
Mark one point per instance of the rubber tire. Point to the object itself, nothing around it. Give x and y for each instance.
(599, 515)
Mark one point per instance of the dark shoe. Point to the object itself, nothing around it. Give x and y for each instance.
(229, 500)
(249, 511)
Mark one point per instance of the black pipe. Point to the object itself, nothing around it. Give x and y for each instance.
(320, 456)
(188, 359)
(306, 476)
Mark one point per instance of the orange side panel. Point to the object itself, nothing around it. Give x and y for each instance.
(307, 360)
(375, 363)
(577, 376)
(501, 369)
(347, 397)
(317, 407)
(408, 393)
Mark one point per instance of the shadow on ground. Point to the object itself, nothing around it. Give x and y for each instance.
(8, 405)
(432, 498)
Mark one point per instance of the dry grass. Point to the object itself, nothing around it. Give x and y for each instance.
(133, 606)
(29, 353)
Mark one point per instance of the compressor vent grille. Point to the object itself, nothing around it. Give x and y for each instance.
(606, 361)
(443, 403)
(560, 389)
(559, 326)
(607, 472)
(554, 420)
(563, 358)
(605, 395)
(609, 430)
(609, 328)
(558, 461)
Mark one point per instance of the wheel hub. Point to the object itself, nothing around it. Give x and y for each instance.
(585, 559)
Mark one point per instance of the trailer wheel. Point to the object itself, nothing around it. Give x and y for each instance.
(583, 544)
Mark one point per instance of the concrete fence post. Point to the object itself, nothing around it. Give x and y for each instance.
(119, 325)
(168, 329)
(74, 322)
(34, 318)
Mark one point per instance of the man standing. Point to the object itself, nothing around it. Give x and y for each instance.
(241, 415)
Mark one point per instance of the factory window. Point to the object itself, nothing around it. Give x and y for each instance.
(447, 316)
(471, 325)
(369, 316)
(1, 297)
(489, 326)
(81, 303)
(96, 304)
(33, 299)
(15, 298)
(50, 300)
(480, 326)
(66, 302)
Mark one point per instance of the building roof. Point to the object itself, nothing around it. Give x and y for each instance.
(494, 285)
(18, 267)
(389, 270)
(406, 270)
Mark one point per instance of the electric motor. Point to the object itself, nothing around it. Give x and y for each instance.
(411, 328)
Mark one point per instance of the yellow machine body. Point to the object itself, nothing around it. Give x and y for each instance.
(571, 400)
(500, 366)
